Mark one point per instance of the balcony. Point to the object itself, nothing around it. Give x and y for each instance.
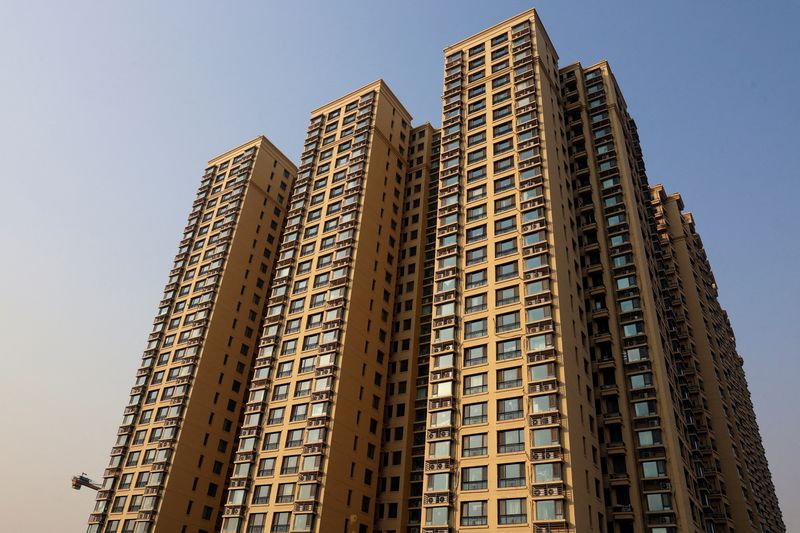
(439, 464)
(548, 490)
(547, 454)
(438, 498)
(544, 419)
(439, 433)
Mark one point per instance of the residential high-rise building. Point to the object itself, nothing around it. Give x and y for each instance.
(310, 445)
(170, 464)
(510, 439)
(499, 324)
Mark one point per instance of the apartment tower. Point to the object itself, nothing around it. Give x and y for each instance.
(170, 464)
(496, 325)
(309, 450)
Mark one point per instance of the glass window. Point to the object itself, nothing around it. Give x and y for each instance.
(508, 378)
(504, 225)
(476, 213)
(506, 271)
(472, 445)
(475, 303)
(549, 510)
(476, 255)
(511, 475)
(506, 247)
(509, 408)
(512, 440)
(507, 322)
(475, 328)
(545, 437)
(512, 511)
(474, 513)
(474, 478)
(475, 383)
(508, 349)
(475, 413)
(547, 472)
(475, 355)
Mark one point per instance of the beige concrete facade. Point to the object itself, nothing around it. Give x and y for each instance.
(498, 325)
(170, 464)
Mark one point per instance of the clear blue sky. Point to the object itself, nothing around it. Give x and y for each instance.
(109, 111)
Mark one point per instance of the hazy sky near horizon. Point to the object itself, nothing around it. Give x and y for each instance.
(109, 111)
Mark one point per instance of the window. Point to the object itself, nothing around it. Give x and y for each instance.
(280, 392)
(472, 445)
(503, 204)
(266, 467)
(536, 314)
(647, 408)
(511, 475)
(475, 328)
(476, 255)
(285, 493)
(506, 247)
(275, 415)
(299, 413)
(504, 225)
(633, 329)
(506, 296)
(509, 378)
(506, 271)
(475, 279)
(512, 440)
(509, 349)
(507, 322)
(549, 509)
(541, 371)
(626, 282)
(654, 469)
(502, 80)
(650, 437)
(475, 355)
(280, 522)
(474, 478)
(512, 511)
(545, 437)
(475, 413)
(476, 213)
(271, 441)
(476, 174)
(509, 408)
(547, 472)
(475, 383)
(659, 502)
(475, 303)
(502, 129)
(303, 388)
(641, 381)
(290, 464)
(261, 494)
(438, 482)
(546, 403)
(474, 513)
(476, 122)
(503, 146)
(540, 342)
(503, 164)
(476, 234)
(477, 155)
(476, 193)
(256, 524)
